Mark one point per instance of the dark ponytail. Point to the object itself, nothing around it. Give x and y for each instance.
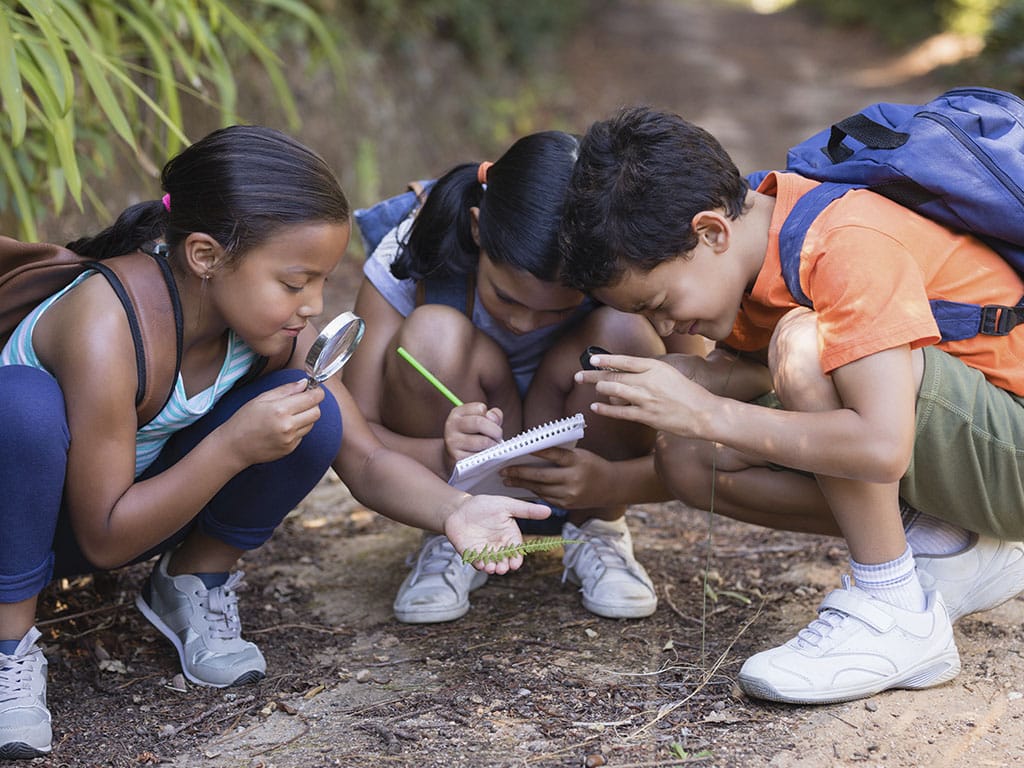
(136, 225)
(239, 185)
(440, 242)
(520, 213)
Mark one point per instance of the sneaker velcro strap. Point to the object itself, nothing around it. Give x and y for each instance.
(860, 607)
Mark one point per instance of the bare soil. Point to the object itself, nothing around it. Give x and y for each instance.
(528, 677)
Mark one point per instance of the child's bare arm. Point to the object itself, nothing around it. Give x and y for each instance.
(869, 438)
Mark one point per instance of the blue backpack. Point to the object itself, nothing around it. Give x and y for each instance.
(456, 291)
(959, 159)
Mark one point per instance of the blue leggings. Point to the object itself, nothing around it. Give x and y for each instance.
(36, 539)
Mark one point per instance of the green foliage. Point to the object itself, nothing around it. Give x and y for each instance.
(80, 77)
(490, 34)
(1002, 62)
(911, 20)
(491, 555)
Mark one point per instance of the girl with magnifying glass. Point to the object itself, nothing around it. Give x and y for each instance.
(253, 223)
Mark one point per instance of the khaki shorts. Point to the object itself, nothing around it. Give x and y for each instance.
(968, 463)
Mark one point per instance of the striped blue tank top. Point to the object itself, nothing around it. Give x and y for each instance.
(180, 411)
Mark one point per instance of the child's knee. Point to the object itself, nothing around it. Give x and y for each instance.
(685, 468)
(795, 365)
(618, 332)
(438, 336)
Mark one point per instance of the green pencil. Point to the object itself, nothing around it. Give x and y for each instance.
(428, 376)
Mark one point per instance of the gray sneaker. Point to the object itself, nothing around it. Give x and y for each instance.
(437, 589)
(203, 626)
(24, 719)
(613, 583)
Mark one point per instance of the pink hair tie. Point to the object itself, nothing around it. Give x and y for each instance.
(167, 201)
(481, 171)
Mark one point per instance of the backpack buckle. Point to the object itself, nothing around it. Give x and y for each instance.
(999, 320)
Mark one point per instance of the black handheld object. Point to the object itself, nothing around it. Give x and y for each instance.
(590, 352)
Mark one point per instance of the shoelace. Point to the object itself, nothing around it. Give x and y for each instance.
(821, 627)
(16, 674)
(438, 556)
(608, 556)
(222, 609)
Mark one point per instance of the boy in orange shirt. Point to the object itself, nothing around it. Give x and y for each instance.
(880, 415)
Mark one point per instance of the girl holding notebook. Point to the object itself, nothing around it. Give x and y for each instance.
(469, 285)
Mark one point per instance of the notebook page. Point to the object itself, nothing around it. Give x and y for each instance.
(479, 473)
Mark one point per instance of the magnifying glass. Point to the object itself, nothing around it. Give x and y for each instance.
(333, 347)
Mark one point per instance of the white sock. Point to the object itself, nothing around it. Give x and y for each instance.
(894, 582)
(930, 535)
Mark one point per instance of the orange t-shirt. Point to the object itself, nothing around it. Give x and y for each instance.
(870, 266)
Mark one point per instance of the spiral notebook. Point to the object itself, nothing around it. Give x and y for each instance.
(479, 473)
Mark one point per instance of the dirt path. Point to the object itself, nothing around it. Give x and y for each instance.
(529, 678)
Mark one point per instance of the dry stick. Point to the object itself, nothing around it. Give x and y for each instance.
(665, 711)
(203, 715)
(80, 614)
(296, 737)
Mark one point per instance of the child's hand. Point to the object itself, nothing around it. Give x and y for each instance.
(576, 482)
(650, 392)
(470, 428)
(272, 425)
(488, 522)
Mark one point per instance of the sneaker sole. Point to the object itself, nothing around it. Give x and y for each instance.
(19, 750)
(641, 611)
(607, 611)
(934, 672)
(250, 676)
(421, 616)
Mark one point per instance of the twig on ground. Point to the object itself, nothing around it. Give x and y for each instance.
(665, 711)
(203, 715)
(80, 614)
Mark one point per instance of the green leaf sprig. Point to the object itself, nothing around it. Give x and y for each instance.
(493, 555)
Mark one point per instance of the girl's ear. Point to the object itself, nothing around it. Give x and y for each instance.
(474, 224)
(203, 254)
(713, 230)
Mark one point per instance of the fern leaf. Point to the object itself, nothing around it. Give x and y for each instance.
(493, 555)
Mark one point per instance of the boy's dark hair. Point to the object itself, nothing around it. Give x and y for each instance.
(520, 213)
(640, 179)
(239, 185)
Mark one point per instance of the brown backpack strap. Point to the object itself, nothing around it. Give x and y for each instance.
(30, 272)
(146, 288)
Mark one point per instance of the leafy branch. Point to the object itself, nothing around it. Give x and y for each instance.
(493, 555)
(81, 78)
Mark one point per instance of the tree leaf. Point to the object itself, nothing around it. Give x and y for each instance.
(69, 20)
(41, 13)
(26, 221)
(11, 93)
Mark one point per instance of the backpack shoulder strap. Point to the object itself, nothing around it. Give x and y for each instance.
(794, 230)
(147, 291)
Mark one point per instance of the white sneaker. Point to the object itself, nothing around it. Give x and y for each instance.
(613, 583)
(24, 719)
(985, 574)
(437, 589)
(857, 647)
(203, 626)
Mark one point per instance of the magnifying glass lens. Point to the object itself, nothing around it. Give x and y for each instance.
(333, 347)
